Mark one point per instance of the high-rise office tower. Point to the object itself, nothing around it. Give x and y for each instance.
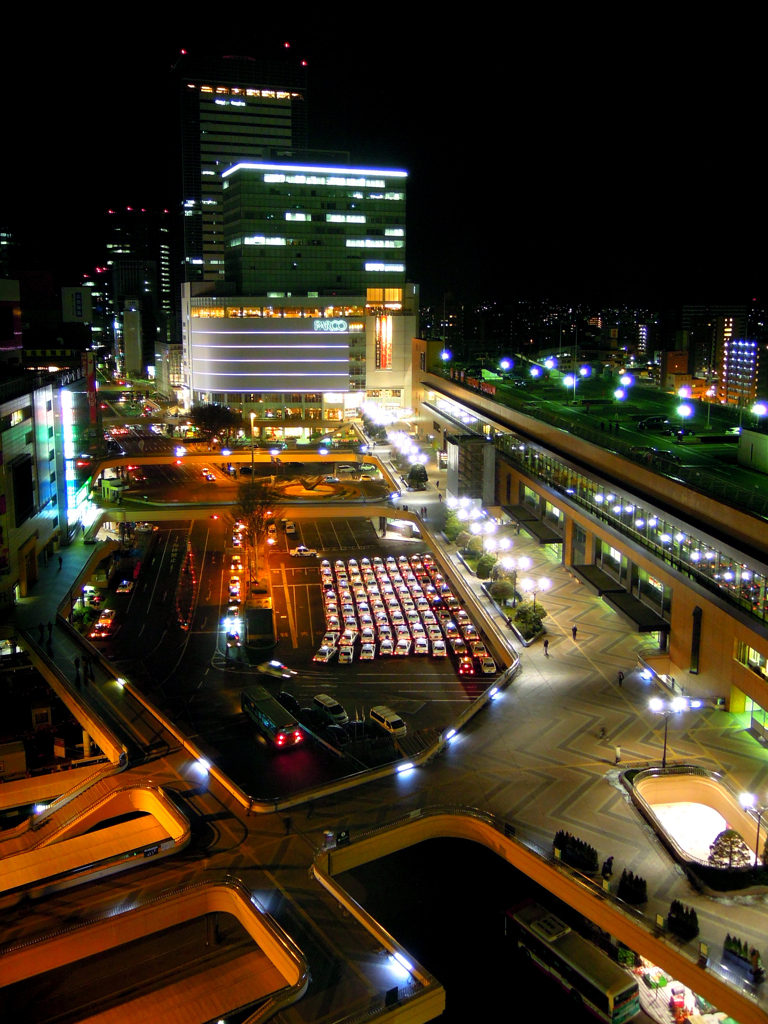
(139, 260)
(230, 109)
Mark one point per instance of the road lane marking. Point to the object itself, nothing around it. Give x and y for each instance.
(289, 610)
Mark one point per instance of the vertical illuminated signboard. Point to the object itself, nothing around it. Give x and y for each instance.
(383, 342)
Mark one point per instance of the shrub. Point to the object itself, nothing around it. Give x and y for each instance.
(682, 921)
(632, 888)
(452, 529)
(500, 573)
(576, 852)
(485, 565)
(528, 621)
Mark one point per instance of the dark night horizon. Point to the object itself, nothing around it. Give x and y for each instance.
(533, 174)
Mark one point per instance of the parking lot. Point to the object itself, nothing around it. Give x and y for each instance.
(426, 690)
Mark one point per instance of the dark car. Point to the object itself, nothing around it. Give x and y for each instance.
(313, 720)
(289, 702)
(336, 735)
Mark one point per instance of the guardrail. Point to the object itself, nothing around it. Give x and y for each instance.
(508, 833)
(277, 935)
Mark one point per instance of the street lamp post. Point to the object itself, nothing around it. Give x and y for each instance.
(253, 417)
(535, 586)
(749, 802)
(667, 709)
(570, 382)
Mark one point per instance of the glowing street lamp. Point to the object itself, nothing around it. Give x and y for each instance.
(506, 364)
(749, 802)
(570, 382)
(445, 355)
(535, 587)
(667, 708)
(535, 371)
(684, 411)
(759, 409)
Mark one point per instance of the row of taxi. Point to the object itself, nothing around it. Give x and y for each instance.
(396, 607)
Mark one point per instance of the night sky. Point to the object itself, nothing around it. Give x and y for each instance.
(549, 157)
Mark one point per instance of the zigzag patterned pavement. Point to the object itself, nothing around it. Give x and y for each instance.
(535, 758)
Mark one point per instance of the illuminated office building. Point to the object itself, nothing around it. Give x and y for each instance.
(302, 229)
(322, 317)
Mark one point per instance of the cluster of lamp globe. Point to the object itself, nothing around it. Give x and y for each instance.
(480, 525)
(407, 447)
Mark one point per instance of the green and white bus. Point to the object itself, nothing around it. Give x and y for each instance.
(589, 975)
(270, 717)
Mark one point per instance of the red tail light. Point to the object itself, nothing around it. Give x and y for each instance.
(280, 740)
(297, 735)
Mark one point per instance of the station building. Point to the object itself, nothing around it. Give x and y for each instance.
(683, 569)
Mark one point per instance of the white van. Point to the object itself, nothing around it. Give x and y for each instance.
(388, 720)
(331, 707)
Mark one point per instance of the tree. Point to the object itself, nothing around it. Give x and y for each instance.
(257, 504)
(485, 565)
(213, 418)
(502, 590)
(417, 477)
(475, 545)
(452, 528)
(729, 850)
(463, 537)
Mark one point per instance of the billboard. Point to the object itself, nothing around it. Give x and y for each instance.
(269, 354)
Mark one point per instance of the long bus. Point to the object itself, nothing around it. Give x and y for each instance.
(590, 976)
(270, 718)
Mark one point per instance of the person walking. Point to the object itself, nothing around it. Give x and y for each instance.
(61, 562)
(620, 677)
(617, 751)
(574, 631)
(546, 647)
(439, 496)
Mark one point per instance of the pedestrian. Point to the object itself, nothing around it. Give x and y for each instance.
(50, 631)
(602, 732)
(287, 823)
(573, 632)
(602, 425)
(620, 677)
(546, 647)
(77, 665)
(41, 627)
(517, 529)
(618, 754)
(439, 496)
(61, 562)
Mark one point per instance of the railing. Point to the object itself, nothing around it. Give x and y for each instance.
(732, 494)
(511, 835)
(661, 553)
(289, 947)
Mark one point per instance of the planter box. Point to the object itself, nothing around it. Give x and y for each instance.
(521, 638)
